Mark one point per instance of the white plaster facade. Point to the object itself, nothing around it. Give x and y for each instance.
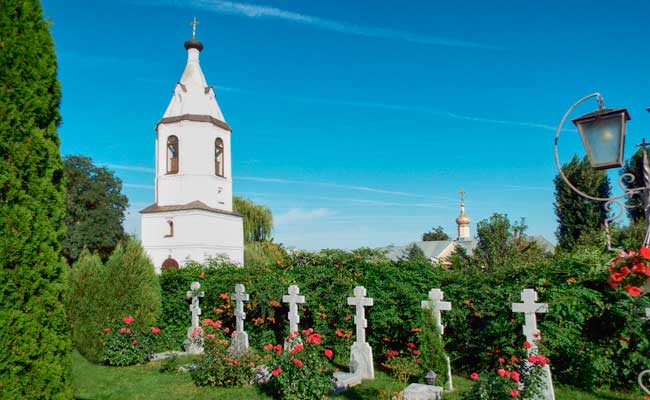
(192, 217)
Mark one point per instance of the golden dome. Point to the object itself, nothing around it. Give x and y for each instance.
(463, 219)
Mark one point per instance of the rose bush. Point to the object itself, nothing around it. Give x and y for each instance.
(631, 272)
(128, 342)
(217, 366)
(303, 371)
(514, 377)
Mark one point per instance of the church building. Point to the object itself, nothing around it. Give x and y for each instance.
(192, 217)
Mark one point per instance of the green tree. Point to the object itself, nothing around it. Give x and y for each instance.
(258, 220)
(131, 286)
(84, 305)
(502, 243)
(575, 214)
(34, 336)
(414, 253)
(437, 233)
(95, 208)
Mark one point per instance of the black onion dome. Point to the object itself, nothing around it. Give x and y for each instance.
(193, 44)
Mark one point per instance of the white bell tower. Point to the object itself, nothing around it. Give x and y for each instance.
(463, 220)
(192, 217)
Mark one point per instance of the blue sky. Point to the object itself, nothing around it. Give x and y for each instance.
(357, 122)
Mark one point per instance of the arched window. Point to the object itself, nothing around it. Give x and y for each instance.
(169, 263)
(218, 157)
(171, 229)
(172, 155)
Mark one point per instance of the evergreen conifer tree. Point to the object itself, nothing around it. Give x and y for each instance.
(577, 215)
(34, 336)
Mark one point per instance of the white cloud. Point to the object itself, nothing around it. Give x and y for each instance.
(256, 11)
(136, 168)
(327, 184)
(296, 215)
(138, 186)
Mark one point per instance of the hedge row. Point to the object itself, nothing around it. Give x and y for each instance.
(590, 332)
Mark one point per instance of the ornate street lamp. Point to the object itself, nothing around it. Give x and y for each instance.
(603, 135)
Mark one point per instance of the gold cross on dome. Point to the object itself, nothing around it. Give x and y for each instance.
(194, 23)
(462, 195)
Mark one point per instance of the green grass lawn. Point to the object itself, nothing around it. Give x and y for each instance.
(92, 381)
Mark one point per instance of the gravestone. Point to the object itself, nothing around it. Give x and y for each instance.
(195, 345)
(530, 309)
(647, 312)
(436, 305)
(361, 365)
(293, 299)
(418, 391)
(239, 341)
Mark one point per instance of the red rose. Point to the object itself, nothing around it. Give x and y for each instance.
(297, 348)
(227, 330)
(645, 252)
(274, 303)
(268, 347)
(514, 392)
(106, 330)
(128, 320)
(616, 277)
(122, 330)
(276, 372)
(155, 330)
(277, 347)
(328, 353)
(527, 345)
(314, 338)
(135, 342)
(514, 375)
(502, 372)
(633, 291)
(625, 271)
(501, 360)
(128, 330)
(410, 345)
(474, 376)
(297, 362)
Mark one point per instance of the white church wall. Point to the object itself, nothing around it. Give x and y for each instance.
(196, 178)
(197, 234)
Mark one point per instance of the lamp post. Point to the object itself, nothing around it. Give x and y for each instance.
(603, 136)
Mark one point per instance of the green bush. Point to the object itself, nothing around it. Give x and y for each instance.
(302, 373)
(34, 336)
(131, 286)
(84, 309)
(100, 296)
(129, 342)
(434, 357)
(217, 367)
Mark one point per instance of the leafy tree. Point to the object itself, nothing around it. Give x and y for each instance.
(575, 214)
(95, 208)
(34, 336)
(258, 220)
(502, 243)
(437, 233)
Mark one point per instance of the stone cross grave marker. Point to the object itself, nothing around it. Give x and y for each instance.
(361, 352)
(196, 344)
(436, 305)
(239, 342)
(647, 312)
(530, 309)
(293, 299)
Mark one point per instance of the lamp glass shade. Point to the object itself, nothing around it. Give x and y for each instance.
(603, 135)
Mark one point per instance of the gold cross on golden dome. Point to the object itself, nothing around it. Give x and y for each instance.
(194, 23)
(462, 195)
